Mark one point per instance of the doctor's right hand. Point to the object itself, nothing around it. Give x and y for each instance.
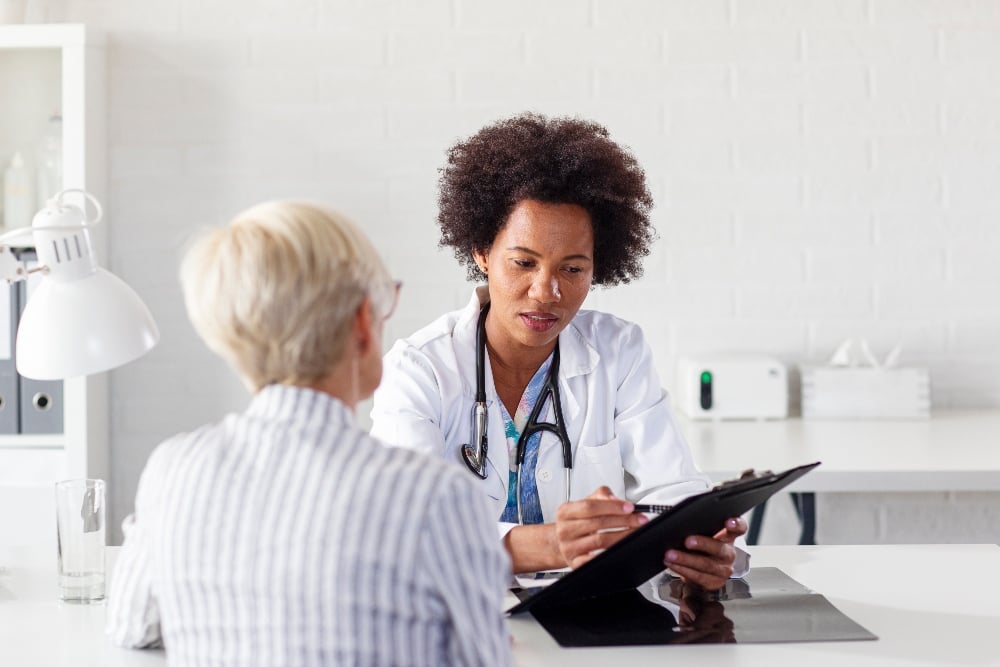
(586, 527)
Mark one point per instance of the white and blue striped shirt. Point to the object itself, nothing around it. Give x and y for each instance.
(288, 536)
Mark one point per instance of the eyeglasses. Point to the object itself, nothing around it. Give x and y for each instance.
(391, 297)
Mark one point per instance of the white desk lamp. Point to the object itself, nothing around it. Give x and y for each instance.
(80, 319)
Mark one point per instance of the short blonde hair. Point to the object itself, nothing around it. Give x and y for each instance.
(274, 292)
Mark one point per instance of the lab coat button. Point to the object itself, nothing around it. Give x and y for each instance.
(544, 475)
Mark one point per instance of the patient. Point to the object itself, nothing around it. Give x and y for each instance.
(285, 535)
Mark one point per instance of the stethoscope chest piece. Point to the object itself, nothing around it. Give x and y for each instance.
(474, 454)
(475, 464)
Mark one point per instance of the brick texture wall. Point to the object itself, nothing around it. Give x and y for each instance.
(822, 169)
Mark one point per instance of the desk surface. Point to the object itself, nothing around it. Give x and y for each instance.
(929, 604)
(951, 451)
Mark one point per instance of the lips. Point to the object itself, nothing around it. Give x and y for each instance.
(539, 322)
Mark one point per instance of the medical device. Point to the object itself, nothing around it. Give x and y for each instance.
(732, 386)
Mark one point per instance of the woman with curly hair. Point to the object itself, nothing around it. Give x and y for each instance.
(558, 412)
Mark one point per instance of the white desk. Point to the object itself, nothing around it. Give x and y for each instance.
(951, 451)
(930, 605)
(37, 629)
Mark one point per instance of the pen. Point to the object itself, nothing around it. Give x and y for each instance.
(651, 509)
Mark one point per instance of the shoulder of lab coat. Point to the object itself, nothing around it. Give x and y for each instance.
(657, 462)
(418, 374)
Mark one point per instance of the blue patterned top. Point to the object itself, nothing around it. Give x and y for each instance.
(530, 505)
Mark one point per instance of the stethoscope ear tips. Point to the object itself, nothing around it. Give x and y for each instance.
(476, 464)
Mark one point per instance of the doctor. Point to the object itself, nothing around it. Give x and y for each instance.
(557, 413)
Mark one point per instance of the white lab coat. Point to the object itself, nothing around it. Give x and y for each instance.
(618, 417)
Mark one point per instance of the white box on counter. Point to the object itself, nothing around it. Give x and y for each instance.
(732, 385)
(830, 392)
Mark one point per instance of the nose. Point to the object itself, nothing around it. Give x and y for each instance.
(545, 288)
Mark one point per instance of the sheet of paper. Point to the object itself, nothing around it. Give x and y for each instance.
(539, 579)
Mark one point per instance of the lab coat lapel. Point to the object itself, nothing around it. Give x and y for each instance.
(576, 357)
(465, 340)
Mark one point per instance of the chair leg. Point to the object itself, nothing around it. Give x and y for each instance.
(805, 508)
(756, 520)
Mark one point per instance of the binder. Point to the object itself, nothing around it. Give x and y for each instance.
(613, 575)
(41, 401)
(9, 402)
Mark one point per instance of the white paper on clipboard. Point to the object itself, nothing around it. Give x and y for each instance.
(539, 579)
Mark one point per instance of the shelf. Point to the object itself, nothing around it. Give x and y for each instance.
(31, 441)
(55, 67)
(48, 36)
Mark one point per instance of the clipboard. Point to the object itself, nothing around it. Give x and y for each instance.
(639, 556)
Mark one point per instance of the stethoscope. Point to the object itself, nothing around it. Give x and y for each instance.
(475, 455)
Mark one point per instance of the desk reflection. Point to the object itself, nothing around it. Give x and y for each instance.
(766, 606)
(700, 615)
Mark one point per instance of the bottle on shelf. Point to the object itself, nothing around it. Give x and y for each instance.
(18, 194)
(49, 162)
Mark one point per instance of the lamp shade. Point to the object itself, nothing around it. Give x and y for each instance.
(83, 326)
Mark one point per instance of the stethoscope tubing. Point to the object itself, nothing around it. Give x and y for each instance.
(550, 390)
(475, 455)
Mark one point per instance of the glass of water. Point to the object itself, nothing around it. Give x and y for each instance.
(81, 533)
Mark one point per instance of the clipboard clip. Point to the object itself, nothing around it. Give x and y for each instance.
(746, 476)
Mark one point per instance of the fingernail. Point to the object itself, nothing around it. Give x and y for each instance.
(627, 507)
(671, 556)
(643, 519)
(731, 523)
(692, 542)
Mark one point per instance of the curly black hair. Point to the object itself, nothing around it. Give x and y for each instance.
(553, 160)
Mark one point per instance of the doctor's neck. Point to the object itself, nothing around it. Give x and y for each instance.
(511, 358)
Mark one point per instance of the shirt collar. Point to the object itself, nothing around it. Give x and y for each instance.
(285, 402)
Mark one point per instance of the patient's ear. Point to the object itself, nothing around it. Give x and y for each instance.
(363, 330)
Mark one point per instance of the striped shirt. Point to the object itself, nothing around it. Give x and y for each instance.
(288, 536)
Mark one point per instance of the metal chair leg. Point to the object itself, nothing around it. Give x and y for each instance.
(756, 521)
(805, 508)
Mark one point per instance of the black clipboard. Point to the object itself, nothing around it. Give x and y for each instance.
(639, 557)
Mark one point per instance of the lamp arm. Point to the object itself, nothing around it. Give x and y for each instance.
(20, 232)
(12, 269)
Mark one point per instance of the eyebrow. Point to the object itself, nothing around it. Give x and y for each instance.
(529, 251)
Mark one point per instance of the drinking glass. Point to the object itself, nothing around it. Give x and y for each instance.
(81, 534)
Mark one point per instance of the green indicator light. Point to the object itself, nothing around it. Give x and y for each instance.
(706, 377)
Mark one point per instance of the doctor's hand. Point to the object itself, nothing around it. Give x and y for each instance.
(707, 561)
(585, 527)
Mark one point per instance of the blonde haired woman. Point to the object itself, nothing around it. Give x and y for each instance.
(285, 534)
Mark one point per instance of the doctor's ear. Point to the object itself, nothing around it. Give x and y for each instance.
(480, 258)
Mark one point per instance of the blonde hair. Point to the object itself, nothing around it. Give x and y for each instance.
(274, 292)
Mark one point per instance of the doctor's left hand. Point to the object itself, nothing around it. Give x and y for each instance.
(707, 561)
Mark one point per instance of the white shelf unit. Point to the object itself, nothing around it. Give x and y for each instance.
(45, 68)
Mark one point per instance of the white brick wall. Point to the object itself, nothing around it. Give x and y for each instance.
(822, 168)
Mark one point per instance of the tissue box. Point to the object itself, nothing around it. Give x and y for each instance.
(865, 393)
